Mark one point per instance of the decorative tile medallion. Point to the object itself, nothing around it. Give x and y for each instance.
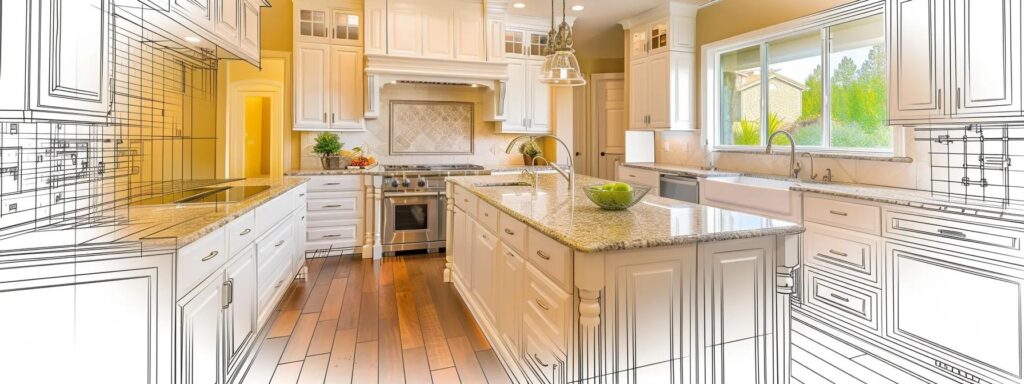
(431, 127)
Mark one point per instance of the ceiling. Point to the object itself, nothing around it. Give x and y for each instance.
(597, 24)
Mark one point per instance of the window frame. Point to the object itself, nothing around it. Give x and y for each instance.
(822, 22)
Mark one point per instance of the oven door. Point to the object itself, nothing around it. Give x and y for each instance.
(410, 218)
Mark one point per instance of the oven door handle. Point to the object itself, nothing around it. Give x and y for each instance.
(412, 194)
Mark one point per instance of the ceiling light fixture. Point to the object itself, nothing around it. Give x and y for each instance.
(577, 7)
(519, 5)
(193, 39)
(560, 65)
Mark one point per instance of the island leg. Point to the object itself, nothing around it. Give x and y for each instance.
(449, 235)
(590, 284)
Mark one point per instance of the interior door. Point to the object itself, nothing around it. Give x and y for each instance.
(987, 56)
(346, 88)
(916, 68)
(609, 121)
(311, 85)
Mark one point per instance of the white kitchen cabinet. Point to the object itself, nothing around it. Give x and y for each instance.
(336, 22)
(916, 59)
(346, 91)
(197, 11)
(527, 101)
(509, 277)
(200, 318)
(461, 247)
(662, 92)
(240, 309)
(674, 32)
(227, 18)
(249, 43)
(484, 250)
(328, 88)
(986, 57)
(446, 30)
(65, 45)
(299, 257)
(469, 34)
(640, 177)
(334, 215)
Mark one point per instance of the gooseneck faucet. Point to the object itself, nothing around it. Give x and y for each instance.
(794, 167)
(569, 175)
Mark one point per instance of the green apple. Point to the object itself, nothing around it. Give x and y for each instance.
(622, 187)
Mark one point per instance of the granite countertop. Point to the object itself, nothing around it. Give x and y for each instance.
(680, 170)
(573, 220)
(157, 228)
(329, 172)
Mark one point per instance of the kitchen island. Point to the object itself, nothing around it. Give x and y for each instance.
(664, 292)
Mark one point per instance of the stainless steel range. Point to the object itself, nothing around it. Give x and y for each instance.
(414, 202)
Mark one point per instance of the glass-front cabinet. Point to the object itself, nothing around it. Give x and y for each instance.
(525, 44)
(331, 25)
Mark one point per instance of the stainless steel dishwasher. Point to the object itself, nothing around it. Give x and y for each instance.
(679, 188)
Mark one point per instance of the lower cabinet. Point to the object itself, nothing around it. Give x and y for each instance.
(201, 316)
(509, 277)
(462, 226)
(483, 253)
(240, 310)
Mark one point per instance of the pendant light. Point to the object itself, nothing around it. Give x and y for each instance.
(560, 65)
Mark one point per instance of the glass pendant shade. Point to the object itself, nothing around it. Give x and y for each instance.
(562, 69)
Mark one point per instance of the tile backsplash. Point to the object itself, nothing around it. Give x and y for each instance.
(431, 127)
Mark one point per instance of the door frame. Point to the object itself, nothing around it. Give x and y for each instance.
(234, 139)
(593, 140)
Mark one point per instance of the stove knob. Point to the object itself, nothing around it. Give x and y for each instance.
(406, 183)
(421, 183)
(394, 183)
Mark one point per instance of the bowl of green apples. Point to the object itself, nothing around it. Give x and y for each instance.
(615, 196)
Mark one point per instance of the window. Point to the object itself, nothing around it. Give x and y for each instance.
(779, 84)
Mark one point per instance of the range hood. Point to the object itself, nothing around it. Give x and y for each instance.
(392, 69)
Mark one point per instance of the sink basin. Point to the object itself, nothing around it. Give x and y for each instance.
(762, 196)
(503, 184)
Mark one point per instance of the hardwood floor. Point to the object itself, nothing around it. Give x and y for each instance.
(356, 320)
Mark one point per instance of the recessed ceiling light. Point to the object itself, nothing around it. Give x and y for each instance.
(193, 39)
(577, 7)
(519, 5)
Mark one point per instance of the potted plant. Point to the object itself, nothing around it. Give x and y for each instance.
(529, 150)
(328, 146)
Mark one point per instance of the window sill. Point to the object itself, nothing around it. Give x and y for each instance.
(882, 157)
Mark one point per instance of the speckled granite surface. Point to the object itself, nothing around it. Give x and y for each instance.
(680, 170)
(158, 228)
(573, 220)
(329, 172)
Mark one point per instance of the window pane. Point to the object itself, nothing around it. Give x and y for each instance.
(741, 97)
(795, 88)
(858, 85)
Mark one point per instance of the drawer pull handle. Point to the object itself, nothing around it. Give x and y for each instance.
(840, 298)
(837, 253)
(542, 305)
(332, 206)
(510, 254)
(952, 233)
(631, 175)
(543, 255)
(278, 285)
(302, 195)
(210, 256)
(279, 243)
(486, 214)
(510, 232)
(330, 236)
(245, 232)
(537, 359)
(838, 213)
(332, 183)
(465, 200)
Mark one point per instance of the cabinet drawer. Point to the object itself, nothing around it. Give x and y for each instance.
(542, 362)
(551, 257)
(272, 212)
(487, 215)
(845, 252)
(853, 216)
(335, 183)
(639, 176)
(336, 233)
(241, 232)
(548, 305)
(338, 202)
(199, 259)
(273, 252)
(465, 200)
(331, 219)
(840, 300)
(959, 230)
(512, 232)
(300, 195)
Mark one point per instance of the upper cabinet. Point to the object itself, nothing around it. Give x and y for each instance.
(449, 29)
(527, 101)
(318, 23)
(233, 25)
(954, 61)
(661, 68)
(328, 67)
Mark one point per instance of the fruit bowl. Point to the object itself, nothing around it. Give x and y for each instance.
(615, 197)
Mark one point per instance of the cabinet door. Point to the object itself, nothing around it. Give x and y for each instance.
(657, 33)
(682, 90)
(483, 254)
(639, 70)
(987, 57)
(376, 29)
(199, 322)
(405, 30)
(299, 259)
(916, 69)
(437, 34)
(540, 100)
(469, 32)
(240, 315)
(659, 91)
(198, 11)
(638, 42)
(93, 322)
(73, 54)
(311, 24)
(346, 91)
(509, 276)
(226, 19)
(516, 96)
(250, 39)
(311, 82)
(463, 233)
(346, 27)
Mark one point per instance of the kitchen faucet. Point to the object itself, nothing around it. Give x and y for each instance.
(569, 175)
(794, 167)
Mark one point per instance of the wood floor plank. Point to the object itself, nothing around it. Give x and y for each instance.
(371, 276)
(343, 356)
(284, 324)
(391, 364)
(465, 360)
(387, 271)
(388, 307)
(327, 271)
(492, 367)
(445, 376)
(314, 370)
(316, 297)
(335, 298)
(417, 370)
(838, 361)
(368, 317)
(408, 320)
(344, 267)
(434, 341)
(844, 349)
(299, 341)
(287, 373)
(804, 375)
(364, 370)
(823, 368)
(323, 337)
(473, 332)
(887, 370)
(350, 307)
(265, 362)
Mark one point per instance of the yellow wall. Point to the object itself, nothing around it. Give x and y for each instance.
(257, 136)
(276, 26)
